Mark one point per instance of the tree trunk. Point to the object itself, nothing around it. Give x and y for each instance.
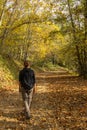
(75, 40)
(5, 31)
(85, 41)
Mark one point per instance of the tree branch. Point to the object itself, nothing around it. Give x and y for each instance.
(25, 22)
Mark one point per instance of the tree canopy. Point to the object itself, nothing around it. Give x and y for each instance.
(53, 31)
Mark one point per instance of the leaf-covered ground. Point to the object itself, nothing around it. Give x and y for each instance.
(60, 103)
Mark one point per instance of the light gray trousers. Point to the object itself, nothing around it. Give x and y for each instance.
(27, 99)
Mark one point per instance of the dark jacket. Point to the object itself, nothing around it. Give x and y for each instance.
(27, 78)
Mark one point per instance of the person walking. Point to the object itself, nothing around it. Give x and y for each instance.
(27, 85)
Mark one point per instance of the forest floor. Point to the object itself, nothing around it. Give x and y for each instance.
(60, 103)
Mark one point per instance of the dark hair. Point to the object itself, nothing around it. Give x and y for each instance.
(26, 63)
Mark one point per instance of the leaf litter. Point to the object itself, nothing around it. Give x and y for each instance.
(60, 103)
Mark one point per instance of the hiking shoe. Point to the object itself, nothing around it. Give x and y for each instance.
(28, 117)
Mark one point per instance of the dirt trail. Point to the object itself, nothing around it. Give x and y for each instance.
(60, 103)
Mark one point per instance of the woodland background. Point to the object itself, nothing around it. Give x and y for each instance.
(52, 35)
(48, 33)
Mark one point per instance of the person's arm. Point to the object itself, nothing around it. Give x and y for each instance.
(19, 87)
(34, 90)
(34, 82)
(20, 81)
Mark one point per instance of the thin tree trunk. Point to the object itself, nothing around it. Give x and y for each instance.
(7, 24)
(1, 15)
(85, 41)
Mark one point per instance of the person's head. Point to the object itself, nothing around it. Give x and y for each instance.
(26, 64)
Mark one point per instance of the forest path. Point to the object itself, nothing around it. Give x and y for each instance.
(60, 103)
